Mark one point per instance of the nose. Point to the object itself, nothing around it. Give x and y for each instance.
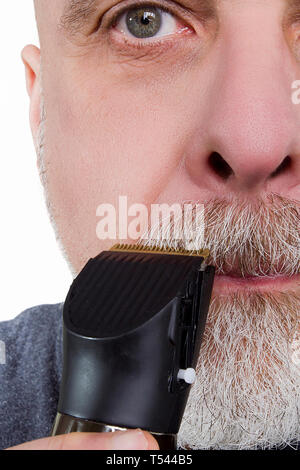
(251, 126)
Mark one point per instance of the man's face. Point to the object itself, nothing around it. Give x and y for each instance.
(200, 110)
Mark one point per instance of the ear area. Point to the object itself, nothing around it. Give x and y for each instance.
(31, 57)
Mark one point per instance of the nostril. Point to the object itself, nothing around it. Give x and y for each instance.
(219, 165)
(284, 165)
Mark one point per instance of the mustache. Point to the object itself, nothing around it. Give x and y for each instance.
(260, 238)
(246, 238)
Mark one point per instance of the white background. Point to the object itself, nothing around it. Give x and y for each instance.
(32, 268)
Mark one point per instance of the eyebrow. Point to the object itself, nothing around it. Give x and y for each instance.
(77, 13)
(293, 11)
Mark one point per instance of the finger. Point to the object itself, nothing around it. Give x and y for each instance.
(135, 439)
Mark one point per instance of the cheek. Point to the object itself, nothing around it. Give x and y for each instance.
(110, 138)
(104, 141)
(99, 146)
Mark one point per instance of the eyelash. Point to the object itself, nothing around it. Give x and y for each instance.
(138, 4)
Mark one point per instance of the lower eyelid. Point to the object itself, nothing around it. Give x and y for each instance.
(163, 43)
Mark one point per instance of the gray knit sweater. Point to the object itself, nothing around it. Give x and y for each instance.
(30, 373)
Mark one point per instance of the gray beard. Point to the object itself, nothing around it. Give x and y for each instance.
(247, 390)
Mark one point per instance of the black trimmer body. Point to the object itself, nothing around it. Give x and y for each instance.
(132, 329)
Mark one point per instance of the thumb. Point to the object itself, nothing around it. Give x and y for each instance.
(134, 439)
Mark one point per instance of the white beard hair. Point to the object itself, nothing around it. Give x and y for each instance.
(247, 390)
(40, 151)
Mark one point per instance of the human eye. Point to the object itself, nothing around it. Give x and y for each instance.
(146, 24)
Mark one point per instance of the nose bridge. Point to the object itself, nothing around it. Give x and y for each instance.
(252, 118)
(253, 60)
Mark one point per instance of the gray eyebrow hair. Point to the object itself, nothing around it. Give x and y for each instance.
(76, 13)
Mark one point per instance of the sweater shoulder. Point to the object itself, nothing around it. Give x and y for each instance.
(30, 373)
(39, 321)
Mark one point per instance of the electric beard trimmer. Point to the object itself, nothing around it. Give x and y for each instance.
(133, 322)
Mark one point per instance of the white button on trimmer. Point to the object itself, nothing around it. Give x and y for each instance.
(188, 375)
